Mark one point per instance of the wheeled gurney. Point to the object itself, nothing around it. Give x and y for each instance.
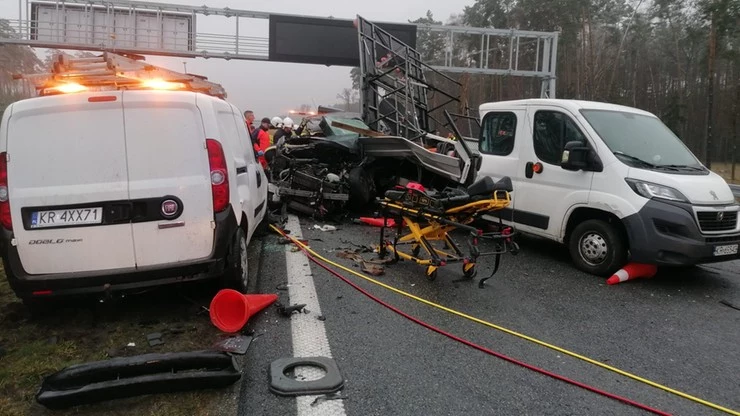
(430, 217)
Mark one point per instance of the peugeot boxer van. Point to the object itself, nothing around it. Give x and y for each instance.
(613, 183)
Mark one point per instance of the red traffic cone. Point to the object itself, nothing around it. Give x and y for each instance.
(377, 222)
(632, 271)
(230, 310)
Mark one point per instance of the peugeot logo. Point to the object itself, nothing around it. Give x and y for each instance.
(720, 216)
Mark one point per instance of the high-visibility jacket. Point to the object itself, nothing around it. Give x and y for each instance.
(262, 143)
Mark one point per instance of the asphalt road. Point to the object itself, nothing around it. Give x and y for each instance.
(672, 329)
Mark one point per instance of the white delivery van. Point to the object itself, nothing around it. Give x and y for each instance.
(613, 183)
(125, 189)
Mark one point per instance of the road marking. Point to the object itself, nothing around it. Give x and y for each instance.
(309, 333)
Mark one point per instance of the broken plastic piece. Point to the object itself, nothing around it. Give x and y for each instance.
(324, 227)
(133, 376)
(235, 345)
(288, 310)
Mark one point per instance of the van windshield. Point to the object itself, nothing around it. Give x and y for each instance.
(643, 141)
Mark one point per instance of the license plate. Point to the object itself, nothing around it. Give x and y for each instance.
(66, 217)
(725, 250)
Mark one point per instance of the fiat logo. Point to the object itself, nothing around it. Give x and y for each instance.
(169, 208)
(720, 216)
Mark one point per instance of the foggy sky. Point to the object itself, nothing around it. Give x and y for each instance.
(273, 88)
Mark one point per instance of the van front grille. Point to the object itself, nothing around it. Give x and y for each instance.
(712, 221)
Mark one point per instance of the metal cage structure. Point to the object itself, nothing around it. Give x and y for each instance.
(394, 86)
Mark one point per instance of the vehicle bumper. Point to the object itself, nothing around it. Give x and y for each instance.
(667, 234)
(89, 282)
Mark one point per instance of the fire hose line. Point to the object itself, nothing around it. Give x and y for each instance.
(322, 261)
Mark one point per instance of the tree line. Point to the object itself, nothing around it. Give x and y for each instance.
(679, 59)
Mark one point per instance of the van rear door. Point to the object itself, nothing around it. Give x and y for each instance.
(68, 183)
(169, 177)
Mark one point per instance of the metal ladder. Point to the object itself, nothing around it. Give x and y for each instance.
(113, 71)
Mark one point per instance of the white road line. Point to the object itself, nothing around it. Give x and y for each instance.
(309, 333)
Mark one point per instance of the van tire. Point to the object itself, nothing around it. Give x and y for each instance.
(236, 273)
(597, 247)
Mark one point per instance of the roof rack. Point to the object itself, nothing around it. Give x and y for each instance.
(115, 71)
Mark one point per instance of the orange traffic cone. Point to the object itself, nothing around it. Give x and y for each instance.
(230, 310)
(632, 271)
(377, 222)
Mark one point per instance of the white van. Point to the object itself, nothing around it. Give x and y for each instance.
(613, 183)
(126, 189)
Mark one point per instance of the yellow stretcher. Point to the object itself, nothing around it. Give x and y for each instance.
(430, 218)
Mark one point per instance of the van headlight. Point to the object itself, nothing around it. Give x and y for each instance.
(653, 190)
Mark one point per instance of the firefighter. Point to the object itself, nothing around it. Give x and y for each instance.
(277, 123)
(287, 131)
(261, 141)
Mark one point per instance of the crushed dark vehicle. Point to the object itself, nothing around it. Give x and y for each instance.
(331, 170)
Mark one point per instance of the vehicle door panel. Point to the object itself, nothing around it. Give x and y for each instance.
(500, 141)
(550, 191)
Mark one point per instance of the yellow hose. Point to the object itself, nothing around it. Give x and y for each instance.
(514, 333)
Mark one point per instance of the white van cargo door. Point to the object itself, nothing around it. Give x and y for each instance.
(169, 182)
(67, 179)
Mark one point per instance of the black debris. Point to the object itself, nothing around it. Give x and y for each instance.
(235, 345)
(154, 339)
(288, 310)
(321, 318)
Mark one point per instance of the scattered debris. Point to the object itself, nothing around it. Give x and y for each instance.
(726, 303)
(321, 318)
(361, 248)
(235, 345)
(154, 339)
(334, 396)
(282, 286)
(288, 310)
(134, 376)
(295, 249)
(372, 267)
(324, 227)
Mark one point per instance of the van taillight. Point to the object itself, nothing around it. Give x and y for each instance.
(5, 219)
(219, 175)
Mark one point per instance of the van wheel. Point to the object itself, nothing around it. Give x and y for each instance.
(596, 247)
(236, 275)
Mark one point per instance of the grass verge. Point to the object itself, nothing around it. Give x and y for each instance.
(34, 347)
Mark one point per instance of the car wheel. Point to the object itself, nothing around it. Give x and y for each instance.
(236, 275)
(597, 247)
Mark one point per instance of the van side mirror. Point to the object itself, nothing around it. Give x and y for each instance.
(576, 157)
